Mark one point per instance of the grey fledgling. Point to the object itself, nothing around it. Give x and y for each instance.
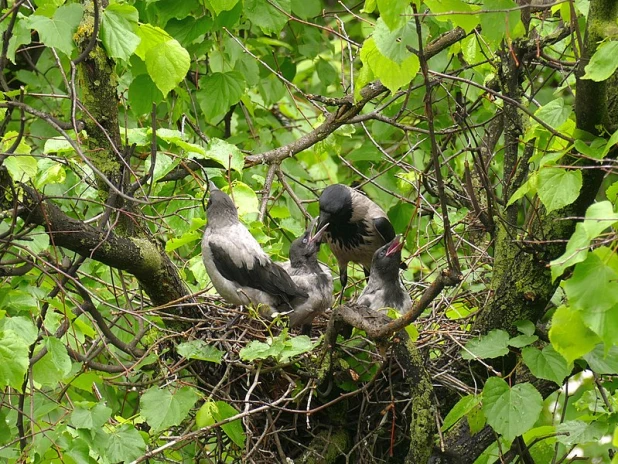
(311, 276)
(240, 270)
(384, 289)
(357, 227)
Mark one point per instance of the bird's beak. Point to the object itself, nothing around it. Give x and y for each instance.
(395, 246)
(323, 220)
(317, 237)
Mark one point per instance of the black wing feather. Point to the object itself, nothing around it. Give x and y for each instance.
(384, 228)
(269, 278)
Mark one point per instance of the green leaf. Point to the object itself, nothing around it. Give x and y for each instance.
(530, 186)
(393, 44)
(546, 364)
(21, 36)
(569, 336)
(143, 92)
(603, 63)
(22, 326)
(124, 444)
(602, 362)
(212, 412)
(511, 411)
(393, 75)
(177, 242)
(267, 14)
(555, 113)
(463, 16)
(525, 326)
(150, 37)
(58, 30)
(118, 26)
(225, 153)
(599, 217)
(59, 355)
(199, 349)
(88, 415)
(576, 432)
(463, 407)
(392, 12)
(596, 149)
(21, 168)
(492, 345)
(167, 64)
(222, 5)
(522, 340)
(500, 25)
(219, 92)
(166, 407)
(558, 187)
(13, 359)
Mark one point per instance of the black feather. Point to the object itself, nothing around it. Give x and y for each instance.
(384, 228)
(269, 278)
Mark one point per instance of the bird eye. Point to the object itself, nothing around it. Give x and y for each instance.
(382, 253)
(305, 240)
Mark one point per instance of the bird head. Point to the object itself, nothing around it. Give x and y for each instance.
(305, 248)
(335, 205)
(386, 260)
(220, 206)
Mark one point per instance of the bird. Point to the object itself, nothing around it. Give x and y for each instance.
(311, 276)
(384, 289)
(357, 227)
(240, 270)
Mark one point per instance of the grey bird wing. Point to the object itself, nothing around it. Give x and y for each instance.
(384, 228)
(252, 268)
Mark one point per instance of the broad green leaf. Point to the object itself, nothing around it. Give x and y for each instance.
(21, 36)
(199, 349)
(150, 37)
(304, 9)
(546, 364)
(601, 362)
(599, 217)
(393, 44)
(118, 26)
(189, 29)
(511, 411)
(522, 340)
(596, 149)
(558, 187)
(124, 444)
(176, 242)
(13, 359)
(525, 326)
(166, 407)
(555, 113)
(57, 145)
(58, 30)
(167, 64)
(59, 355)
(163, 165)
(143, 92)
(603, 63)
(393, 75)
(500, 26)
(222, 5)
(22, 326)
(492, 345)
(225, 153)
(256, 350)
(569, 335)
(461, 408)
(21, 168)
(577, 432)
(219, 91)
(528, 187)
(88, 415)
(463, 16)
(212, 412)
(392, 12)
(268, 14)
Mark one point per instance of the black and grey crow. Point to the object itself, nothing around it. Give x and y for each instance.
(239, 269)
(357, 227)
(384, 289)
(311, 276)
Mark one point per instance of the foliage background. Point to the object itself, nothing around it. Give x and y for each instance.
(485, 129)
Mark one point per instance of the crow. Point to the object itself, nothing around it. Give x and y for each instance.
(357, 227)
(312, 277)
(240, 270)
(384, 290)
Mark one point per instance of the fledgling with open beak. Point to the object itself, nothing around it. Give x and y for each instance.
(240, 270)
(384, 289)
(357, 227)
(311, 276)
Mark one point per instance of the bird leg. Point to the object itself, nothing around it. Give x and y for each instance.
(343, 278)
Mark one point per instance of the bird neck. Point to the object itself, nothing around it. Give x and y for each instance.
(307, 262)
